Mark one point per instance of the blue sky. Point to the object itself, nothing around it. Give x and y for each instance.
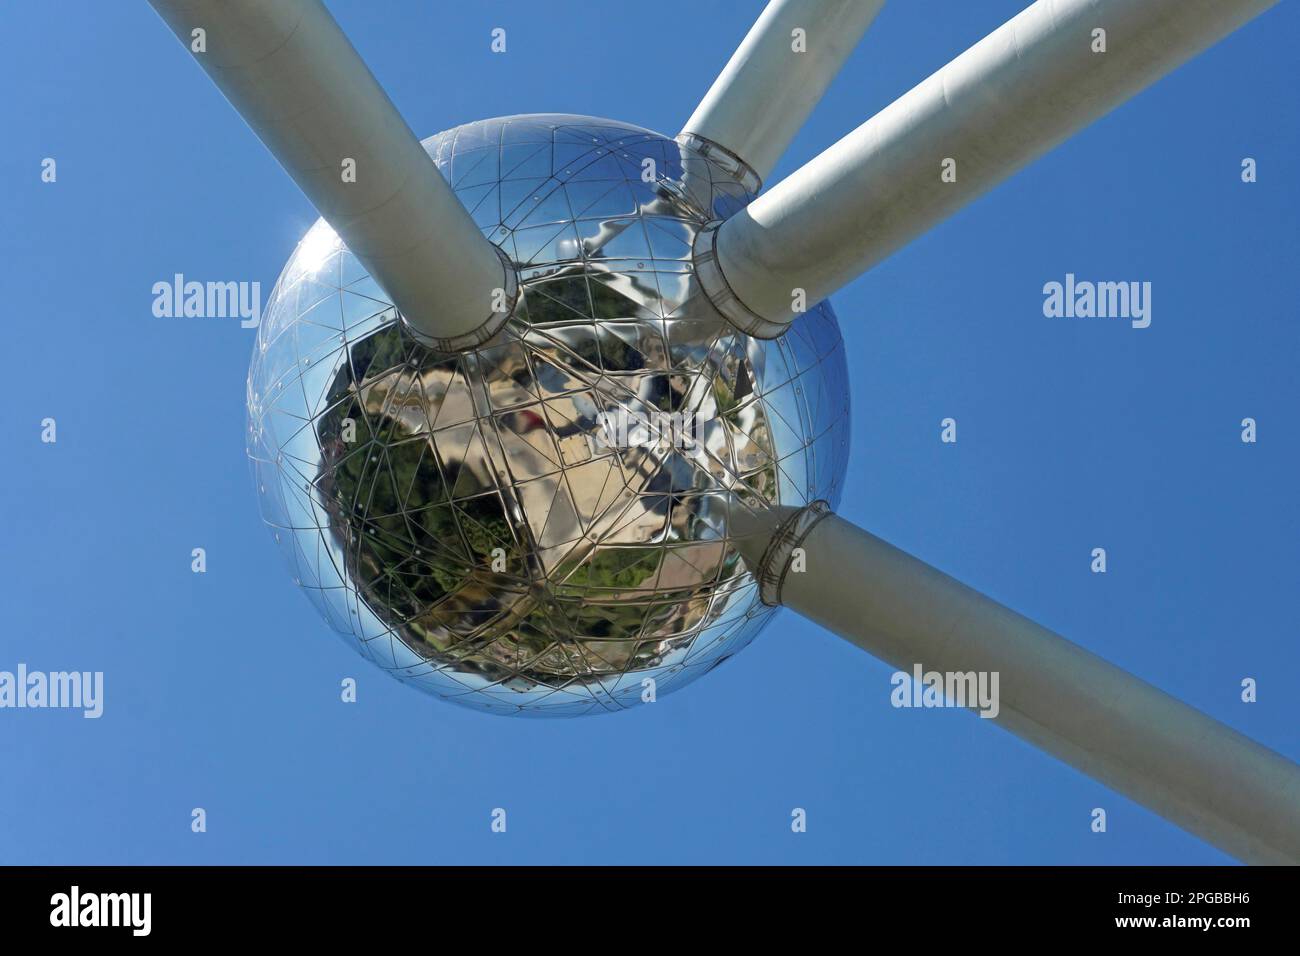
(222, 689)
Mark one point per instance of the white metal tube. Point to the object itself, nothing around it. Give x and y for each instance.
(1021, 90)
(291, 73)
(1187, 767)
(777, 75)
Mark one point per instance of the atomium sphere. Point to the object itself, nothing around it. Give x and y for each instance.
(540, 525)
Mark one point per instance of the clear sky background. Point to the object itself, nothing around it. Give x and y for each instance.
(222, 689)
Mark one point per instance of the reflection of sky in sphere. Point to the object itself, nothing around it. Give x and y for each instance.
(461, 519)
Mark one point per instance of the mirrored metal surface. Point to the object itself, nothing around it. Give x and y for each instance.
(541, 525)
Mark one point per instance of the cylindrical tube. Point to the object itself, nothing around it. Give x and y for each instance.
(1186, 766)
(293, 76)
(768, 88)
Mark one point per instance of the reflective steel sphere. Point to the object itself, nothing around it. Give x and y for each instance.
(541, 526)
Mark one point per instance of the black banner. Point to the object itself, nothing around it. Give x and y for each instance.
(333, 904)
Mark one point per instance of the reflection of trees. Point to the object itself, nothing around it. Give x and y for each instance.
(420, 559)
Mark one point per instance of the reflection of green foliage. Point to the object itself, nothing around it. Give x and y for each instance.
(608, 304)
(377, 354)
(596, 613)
(616, 355)
(608, 620)
(618, 568)
(487, 527)
(558, 300)
(723, 396)
(414, 545)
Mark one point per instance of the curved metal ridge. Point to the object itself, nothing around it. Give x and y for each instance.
(791, 533)
(714, 283)
(743, 173)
